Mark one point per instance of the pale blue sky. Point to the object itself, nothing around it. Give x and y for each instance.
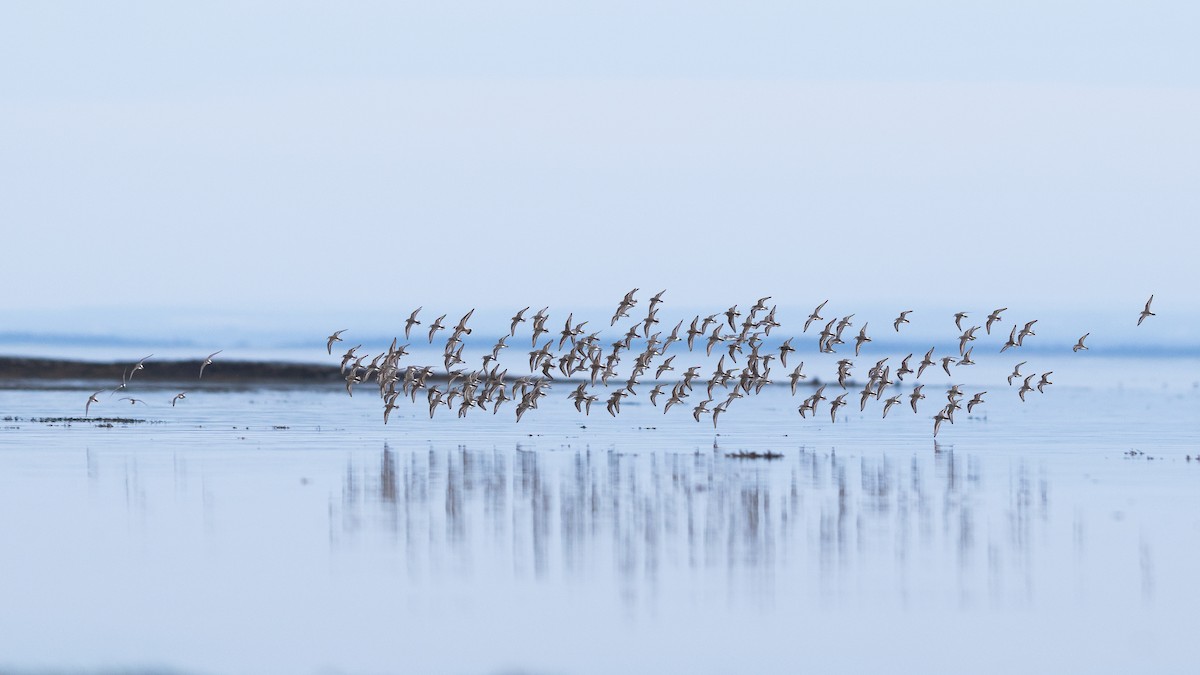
(337, 157)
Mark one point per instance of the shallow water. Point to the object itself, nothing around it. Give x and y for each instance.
(282, 530)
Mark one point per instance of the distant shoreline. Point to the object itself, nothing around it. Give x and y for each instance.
(22, 370)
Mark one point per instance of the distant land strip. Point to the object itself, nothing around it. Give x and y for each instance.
(15, 370)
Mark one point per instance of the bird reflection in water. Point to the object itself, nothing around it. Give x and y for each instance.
(829, 522)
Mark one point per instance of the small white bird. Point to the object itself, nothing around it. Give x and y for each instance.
(942, 416)
(435, 327)
(901, 319)
(887, 405)
(1146, 312)
(178, 397)
(411, 321)
(91, 399)
(1079, 345)
(136, 367)
(993, 318)
(815, 316)
(132, 401)
(975, 400)
(208, 361)
(1026, 387)
(958, 317)
(834, 405)
(336, 337)
(1016, 372)
(519, 317)
(1044, 381)
(915, 396)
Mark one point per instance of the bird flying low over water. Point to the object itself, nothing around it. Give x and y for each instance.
(208, 361)
(640, 355)
(91, 399)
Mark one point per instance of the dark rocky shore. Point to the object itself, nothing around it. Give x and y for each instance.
(27, 371)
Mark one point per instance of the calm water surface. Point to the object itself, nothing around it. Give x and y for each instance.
(290, 531)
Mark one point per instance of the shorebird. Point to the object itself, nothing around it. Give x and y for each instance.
(700, 409)
(834, 405)
(942, 416)
(966, 358)
(915, 396)
(178, 397)
(208, 361)
(1146, 312)
(132, 401)
(656, 299)
(862, 337)
(946, 361)
(901, 319)
(731, 316)
(1016, 372)
(967, 336)
(1025, 332)
(1026, 387)
(1012, 339)
(435, 327)
(1079, 345)
(904, 369)
(975, 400)
(958, 317)
(784, 349)
(461, 326)
(624, 306)
(124, 383)
(91, 399)
(887, 405)
(925, 362)
(336, 337)
(796, 376)
(664, 367)
(993, 318)
(136, 367)
(388, 407)
(519, 317)
(815, 316)
(1044, 381)
(411, 321)
(721, 407)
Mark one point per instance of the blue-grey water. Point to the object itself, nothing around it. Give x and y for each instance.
(289, 530)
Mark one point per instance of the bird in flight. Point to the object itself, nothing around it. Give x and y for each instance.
(411, 321)
(815, 316)
(208, 361)
(1146, 312)
(336, 337)
(993, 318)
(1079, 345)
(91, 399)
(136, 367)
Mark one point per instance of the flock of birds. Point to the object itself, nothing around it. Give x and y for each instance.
(127, 377)
(580, 357)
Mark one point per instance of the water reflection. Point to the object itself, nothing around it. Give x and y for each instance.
(836, 524)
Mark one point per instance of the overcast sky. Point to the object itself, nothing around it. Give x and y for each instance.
(334, 157)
